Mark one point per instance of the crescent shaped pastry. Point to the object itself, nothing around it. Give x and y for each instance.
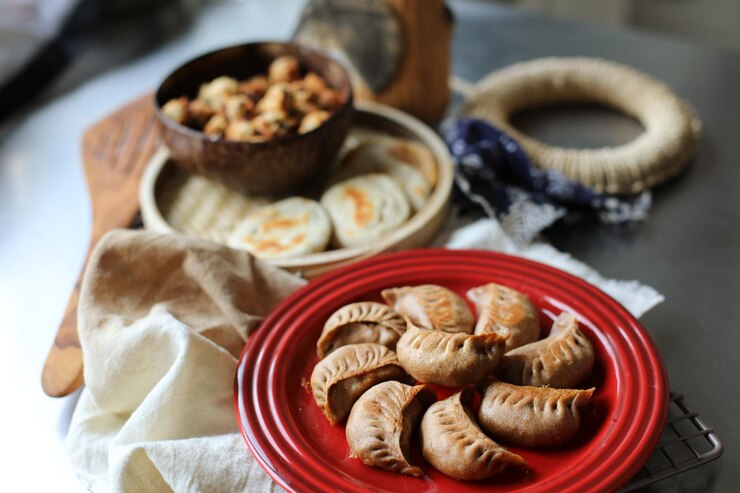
(381, 423)
(532, 416)
(453, 443)
(505, 311)
(561, 360)
(432, 356)
(365, 208)
(404, 161)
(288, 228)
(432, 307)
(341, 378)
(361, 322)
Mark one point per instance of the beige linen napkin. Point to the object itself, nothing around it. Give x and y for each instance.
(487, 234)
(162, 320)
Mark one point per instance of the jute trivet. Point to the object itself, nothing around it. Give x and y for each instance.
(671, 133)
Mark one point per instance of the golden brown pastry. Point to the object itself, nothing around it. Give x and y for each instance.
(365, 208)
(199, 113)
(216, 126)
(177, 109)
(365, 321)
(532, 416)
(375, 156)
(287, 228)
(313, 120)
(453, 443)
(214, 93)
(432, 307)
(505, 311)
(237, 107)
(433, 356)
(561, 360)
(381, 424)
(284, 69)
(241, 130)
(254, 87)
(342, 377)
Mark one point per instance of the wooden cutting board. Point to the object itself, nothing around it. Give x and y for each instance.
(115, 151)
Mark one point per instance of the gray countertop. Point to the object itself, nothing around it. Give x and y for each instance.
(686, 249)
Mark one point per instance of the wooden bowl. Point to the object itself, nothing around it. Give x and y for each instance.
(161, 174)
(271, 167)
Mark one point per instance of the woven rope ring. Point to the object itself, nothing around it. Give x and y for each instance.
(671, 133)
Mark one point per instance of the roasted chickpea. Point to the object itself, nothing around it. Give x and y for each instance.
(284, 69)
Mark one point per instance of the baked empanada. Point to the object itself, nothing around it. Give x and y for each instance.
(505, 311)
(433, 356)
(453, 443)
(382, 421)
(432, 307)
(361, 322)
(341, 378)
(532, 416)
(561, 360)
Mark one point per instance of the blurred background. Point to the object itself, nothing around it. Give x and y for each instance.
(48, 47)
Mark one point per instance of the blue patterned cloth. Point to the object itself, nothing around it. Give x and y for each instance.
(494, 173)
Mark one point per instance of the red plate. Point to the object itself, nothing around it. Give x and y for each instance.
(294, 443)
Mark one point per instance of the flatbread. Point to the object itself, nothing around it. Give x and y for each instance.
(365, 208)
(288, 228)
(410, 164)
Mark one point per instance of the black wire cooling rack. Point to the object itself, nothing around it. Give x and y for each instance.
(686, 443)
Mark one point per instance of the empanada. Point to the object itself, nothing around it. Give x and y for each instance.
(341, 378)
(453, 443)
(561, 360)
(361, 322)
(505, 311)
(532, 416)
(432, 307)
(433, 356)
(290, 227)
(365, 208)
(382, 421)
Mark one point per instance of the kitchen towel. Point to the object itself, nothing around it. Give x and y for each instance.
(162, 320)
(489, 234)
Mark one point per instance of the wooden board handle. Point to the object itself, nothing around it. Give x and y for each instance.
(62, 372)
(115, 152)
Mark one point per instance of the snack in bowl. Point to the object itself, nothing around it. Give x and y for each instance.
(365, 208)
(294, 226)
(383, 415)
(411, 164)
(259, 108)
(236, 115)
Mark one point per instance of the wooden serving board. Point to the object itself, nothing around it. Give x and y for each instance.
(115, 151)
